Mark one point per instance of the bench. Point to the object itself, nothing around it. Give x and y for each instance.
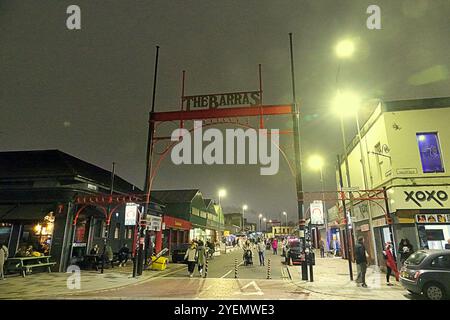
(25, 265)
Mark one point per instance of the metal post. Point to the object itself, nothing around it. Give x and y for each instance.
(298, 168)
(235, 268)
(151, 131)
(268, 270)
(108, 227)
(325, 212)
(366, 187)
(390, 223)
(350, 269)
(347, 170)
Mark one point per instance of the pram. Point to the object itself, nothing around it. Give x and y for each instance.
(248, 257)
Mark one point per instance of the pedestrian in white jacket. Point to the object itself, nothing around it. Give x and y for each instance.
(3, 256)
(191, 258)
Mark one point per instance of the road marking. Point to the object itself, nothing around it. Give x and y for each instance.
(258, 291)
(226, 274)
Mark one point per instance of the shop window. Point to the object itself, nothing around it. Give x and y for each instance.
(98, 228)
(430, 153)
(117, 231)
(37, 237)
(5, 231)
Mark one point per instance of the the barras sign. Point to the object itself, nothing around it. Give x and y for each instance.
(213, 101)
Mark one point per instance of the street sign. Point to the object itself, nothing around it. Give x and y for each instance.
(316, 209)
(130, 214)
(154, 223)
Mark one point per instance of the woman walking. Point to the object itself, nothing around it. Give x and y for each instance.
(275, 246)
(191, 257)
(201, 256)
(391, 265)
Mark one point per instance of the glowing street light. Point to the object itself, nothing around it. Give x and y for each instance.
(345, 48)
(260, 217)
(315, 162)
(244, 207)
(285, 215)
(346, 103)
(222, 193)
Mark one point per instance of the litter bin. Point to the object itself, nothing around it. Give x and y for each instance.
(159, 264)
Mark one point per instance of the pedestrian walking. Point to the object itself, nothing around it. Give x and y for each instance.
(261, 248)
(191, 258)
(201, 257)
(123, 255)
(322, 248)
(4, 253)
(109, 255)
(361, 262)
(391, 265)
(405, 249)
(275, 246)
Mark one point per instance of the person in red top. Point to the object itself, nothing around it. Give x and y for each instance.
(391, 264)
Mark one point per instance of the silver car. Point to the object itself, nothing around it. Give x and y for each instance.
(427, 272)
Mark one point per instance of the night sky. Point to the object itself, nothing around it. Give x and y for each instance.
(88, 92)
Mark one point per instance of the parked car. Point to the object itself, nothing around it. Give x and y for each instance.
(427, 272)
(293, 253)
(178, 252)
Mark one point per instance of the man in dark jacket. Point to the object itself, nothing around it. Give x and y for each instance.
(361, 262)
(123, 255)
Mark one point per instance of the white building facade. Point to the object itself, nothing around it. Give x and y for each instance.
(406, 149)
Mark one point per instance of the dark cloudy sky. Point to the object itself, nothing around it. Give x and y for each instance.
(88, 92)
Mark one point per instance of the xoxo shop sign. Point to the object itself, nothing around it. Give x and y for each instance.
(426, 197)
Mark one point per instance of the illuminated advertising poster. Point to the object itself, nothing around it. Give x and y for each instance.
(130, 214)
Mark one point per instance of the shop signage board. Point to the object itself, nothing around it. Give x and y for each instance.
(154, 222)
(130, 214)
(433, 218)
(316, 209)
(427, 197)
(365, 227)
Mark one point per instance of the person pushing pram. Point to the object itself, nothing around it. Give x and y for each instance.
(248, 253)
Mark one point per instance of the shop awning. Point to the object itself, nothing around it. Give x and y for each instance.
(24, 212)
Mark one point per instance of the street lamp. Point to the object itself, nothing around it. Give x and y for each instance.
(265, 224)
(316, 163)
(222, 193)
(285, 215)
(345, 48)
(260, 216)
(244, 207)
(347, 103)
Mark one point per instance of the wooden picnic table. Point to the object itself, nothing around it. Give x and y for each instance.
(26, 264)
